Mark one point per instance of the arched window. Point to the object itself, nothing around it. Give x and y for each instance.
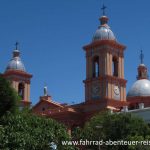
(115, 66)
(96, 66)
(21, 90)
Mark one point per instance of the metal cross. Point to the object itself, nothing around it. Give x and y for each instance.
(17, 44)
(103, 9)
(141, 57)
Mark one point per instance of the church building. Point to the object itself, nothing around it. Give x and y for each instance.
(105, 85)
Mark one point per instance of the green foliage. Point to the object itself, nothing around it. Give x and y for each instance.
(116, 127)
(8, 97)
(25, 131)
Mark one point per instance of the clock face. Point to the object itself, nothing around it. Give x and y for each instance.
(95, 91)
(116, 92)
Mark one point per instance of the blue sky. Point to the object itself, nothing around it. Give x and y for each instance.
(52, 33)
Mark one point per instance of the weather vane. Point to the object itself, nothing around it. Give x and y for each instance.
(103, 9)
(141, 57)
(17, 44)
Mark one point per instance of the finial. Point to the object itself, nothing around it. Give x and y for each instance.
(103, 19)
(16, 52)
(45, 91)
(103, 9)
(17, 45)
(141, 57)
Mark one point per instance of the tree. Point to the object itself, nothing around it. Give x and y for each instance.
(8, 97)
(25, 131)
(115, 127)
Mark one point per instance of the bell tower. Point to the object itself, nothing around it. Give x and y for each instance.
(15, 72)
(104, 65)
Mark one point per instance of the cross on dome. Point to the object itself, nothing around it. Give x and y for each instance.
(17, 45)
(103, 9)
(141, 57)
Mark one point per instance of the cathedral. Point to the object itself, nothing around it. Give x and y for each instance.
(105, 85)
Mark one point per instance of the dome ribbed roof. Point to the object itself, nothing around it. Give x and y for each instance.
(140, 88)
(103, 32)
(15, 63)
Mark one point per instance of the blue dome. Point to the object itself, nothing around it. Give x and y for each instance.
(104, 33)
(140, 88)
(15, 63)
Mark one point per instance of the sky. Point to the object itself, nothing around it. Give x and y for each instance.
(52, 33)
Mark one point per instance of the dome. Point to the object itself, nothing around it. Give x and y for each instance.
(140, 88)
(15, 63)
(103, 32)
